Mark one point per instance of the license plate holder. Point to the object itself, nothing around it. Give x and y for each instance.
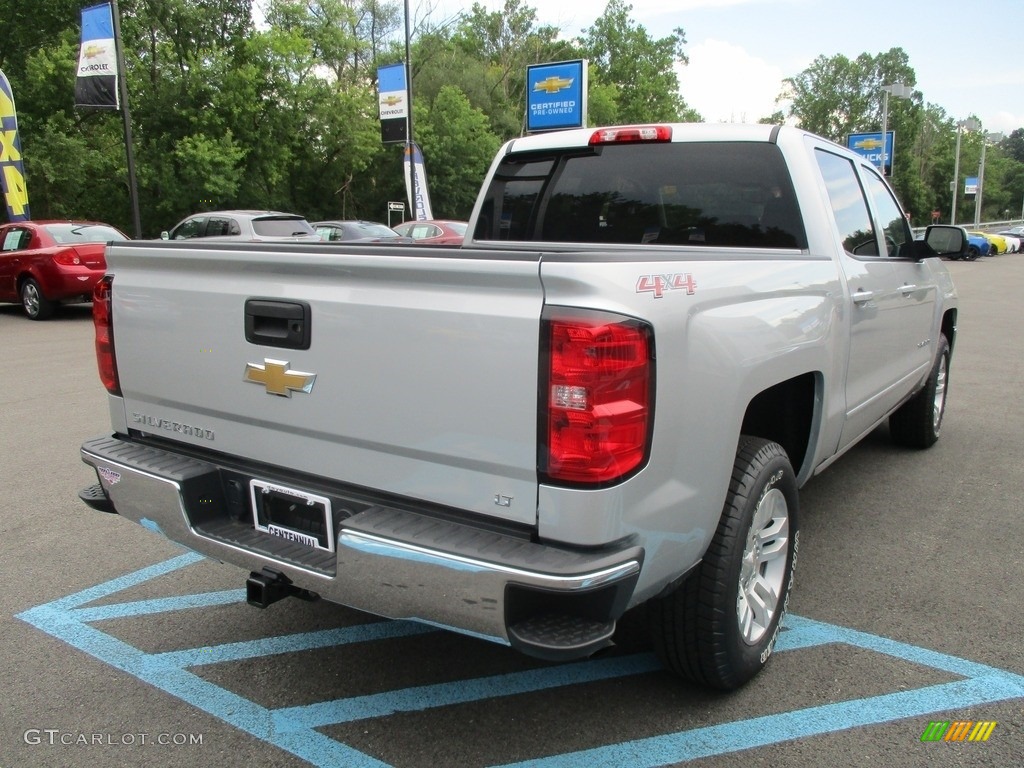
(293, 515)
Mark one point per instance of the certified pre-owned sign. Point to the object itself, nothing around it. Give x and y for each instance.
(556, 95)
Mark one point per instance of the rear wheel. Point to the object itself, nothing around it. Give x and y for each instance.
(719, 627)
(918, 421)
(36, 305)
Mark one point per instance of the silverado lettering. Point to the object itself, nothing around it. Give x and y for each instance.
(172, 426)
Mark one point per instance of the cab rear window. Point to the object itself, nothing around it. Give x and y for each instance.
(700, 194)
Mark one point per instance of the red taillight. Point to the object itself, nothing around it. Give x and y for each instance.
(631, 134)
(598, 401)
(103, 323)
(68, 258)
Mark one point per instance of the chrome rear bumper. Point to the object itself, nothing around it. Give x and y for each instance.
(547, 601)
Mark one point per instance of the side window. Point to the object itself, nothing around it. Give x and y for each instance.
(508, 210)
(890, 217)
(16, 239)
(849, 206)
(217, 227)
(191, 228)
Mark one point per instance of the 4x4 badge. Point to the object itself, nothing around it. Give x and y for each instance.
(278, 379)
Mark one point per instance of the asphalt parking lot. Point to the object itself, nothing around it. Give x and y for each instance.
(122, 649)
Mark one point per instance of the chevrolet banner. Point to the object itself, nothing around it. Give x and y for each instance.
(96, 84)
(12, 171)
(416, 183)
(393, 100)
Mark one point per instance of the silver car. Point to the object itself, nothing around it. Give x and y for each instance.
(243, 225)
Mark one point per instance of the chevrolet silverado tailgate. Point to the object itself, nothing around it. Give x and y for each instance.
(410, 369)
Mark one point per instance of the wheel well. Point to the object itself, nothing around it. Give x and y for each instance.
(20, 281)
(784, 414)
(949, 328)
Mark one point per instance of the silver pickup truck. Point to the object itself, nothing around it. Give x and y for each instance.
(607, 397)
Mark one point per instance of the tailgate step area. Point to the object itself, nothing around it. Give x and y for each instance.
(97, 498)
(560, 637)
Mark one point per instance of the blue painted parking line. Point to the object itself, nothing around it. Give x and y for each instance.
(293, 729)
(160, 605)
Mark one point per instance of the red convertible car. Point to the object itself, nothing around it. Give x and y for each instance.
(43, 263)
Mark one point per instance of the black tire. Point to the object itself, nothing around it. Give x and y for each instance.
(702, 630)
(973, 252)
(918, 421)
(35, 304)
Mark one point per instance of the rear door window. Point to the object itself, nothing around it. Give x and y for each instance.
(15, 239)
(219, 227)
(701, 194)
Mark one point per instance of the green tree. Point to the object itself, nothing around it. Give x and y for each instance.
(459, 138)
(30, 26)
(642, 69)
(829, 98)
(504, 43)
(1013, 145)
(74, 160)
(837, 96)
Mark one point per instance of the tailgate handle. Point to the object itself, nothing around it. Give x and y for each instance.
(278, 323)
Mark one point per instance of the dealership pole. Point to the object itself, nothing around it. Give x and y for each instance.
(133, 189)
(408, 103)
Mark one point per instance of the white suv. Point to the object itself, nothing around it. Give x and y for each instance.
(243, 225)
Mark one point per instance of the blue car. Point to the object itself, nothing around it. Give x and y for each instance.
(977, 245)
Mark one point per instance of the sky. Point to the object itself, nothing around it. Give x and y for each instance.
(967, 55)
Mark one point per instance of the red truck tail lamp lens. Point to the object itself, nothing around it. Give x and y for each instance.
(103, 324)
(597, 407)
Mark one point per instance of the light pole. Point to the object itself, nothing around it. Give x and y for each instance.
(993, 137)
(898, 91)
(971, 125)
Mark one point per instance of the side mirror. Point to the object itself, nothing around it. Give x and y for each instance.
(165, 235)
(941, 240)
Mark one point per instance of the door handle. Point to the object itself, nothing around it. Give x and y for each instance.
(863, 297)
(906, 290)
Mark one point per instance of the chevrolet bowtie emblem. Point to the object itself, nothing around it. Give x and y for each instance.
(278, 379)
(552, 84)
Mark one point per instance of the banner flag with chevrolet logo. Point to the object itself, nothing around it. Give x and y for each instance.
(393, 100)
(96, 83)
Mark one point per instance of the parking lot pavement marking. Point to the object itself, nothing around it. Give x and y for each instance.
(424, 697)
(293, 728)
(306, 641)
